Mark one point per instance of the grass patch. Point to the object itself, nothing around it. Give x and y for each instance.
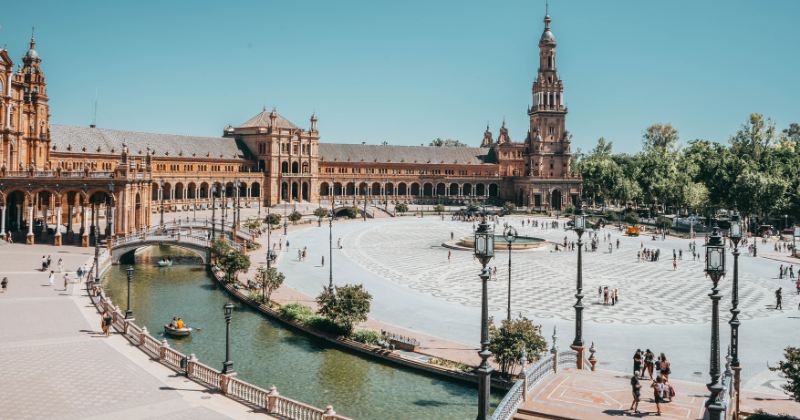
(450, 364)
(302, 313)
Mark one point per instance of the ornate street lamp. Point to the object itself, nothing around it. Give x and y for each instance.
(110, 211)
(579, 226)
(162, 203)
(736, 236)
(213, 212)
(330, 250)
(97, 248)
(755, 231)
(227, 366)
(129, 312)
(484, 251)
(511, 236)
(715, 268)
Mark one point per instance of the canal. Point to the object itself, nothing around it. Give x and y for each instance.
(266, 353)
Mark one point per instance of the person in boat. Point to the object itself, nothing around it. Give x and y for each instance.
(180, 324)
(174, 323)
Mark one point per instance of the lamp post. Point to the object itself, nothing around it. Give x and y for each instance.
(285, 225)
(364, 190)
(224, 208)
(484, 251)
(269, 241)
(755, 231)
(736, 236)
(579, 226)
(213, 212)
(227, 366)
(162, 204)
(511, 236)
(715, 268)
(97, 249)
(129, 312)
(110, 213)
(330, 250)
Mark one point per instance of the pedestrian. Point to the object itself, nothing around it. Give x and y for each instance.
(636, 391)
(674, 264)
(797, 283)
(649, 360)
(107, 323)
(665, 367)
(613, 297)
(323, 261)
(599, 294)
(637, 361)
(60, 265)
(4, 284)
(658, 393)
(779, 298)
(66, 281)
(680, 254)
(52, 278)
(299, 255)
(44, 263)
(48, 262)
(780, 275)
(616, 296)
(79, 274)
(791, 271)
(495, 273)
(448, 256)
(451, 236)
(304, 254)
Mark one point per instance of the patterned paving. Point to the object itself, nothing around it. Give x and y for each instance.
(543, 283)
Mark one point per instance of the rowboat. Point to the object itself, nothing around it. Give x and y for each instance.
(165, 263)
(177, 332)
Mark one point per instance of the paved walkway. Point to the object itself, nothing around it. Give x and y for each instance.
(57, 365)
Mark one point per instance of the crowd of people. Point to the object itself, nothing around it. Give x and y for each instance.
(646, 362)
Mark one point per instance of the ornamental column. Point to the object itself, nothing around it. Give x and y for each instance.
(70, 232)
(84, 232)
(29, 238)
(57, 237)
(45, 211)
(3, 222)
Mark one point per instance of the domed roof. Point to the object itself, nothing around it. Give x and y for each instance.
(32, 54)
(548, 36)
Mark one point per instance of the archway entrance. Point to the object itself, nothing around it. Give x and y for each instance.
(556, 202)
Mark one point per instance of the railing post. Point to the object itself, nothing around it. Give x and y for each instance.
(190, 365)
(162, 351)
(144, 334)
(555, 361)
(272, 404)
(329, 414)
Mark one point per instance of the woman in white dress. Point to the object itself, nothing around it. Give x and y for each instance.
(52, 278)
(600, 294)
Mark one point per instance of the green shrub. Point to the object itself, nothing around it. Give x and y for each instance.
(611, 215)
(569, 208)
(370, 337)
(401, 208)
(255, 296)
(450, 364)
(325, 324)
(297, 311)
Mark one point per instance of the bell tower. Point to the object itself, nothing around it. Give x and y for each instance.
(549, 141)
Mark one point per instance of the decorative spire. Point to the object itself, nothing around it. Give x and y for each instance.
(547, 36)
(32, 41)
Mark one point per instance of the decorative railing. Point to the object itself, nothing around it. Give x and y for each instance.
(72, 174)
(44, 174)
(270, 401)
(101, 174)
(524, 386)
(513, 399)
(568, 360)
(17, 174)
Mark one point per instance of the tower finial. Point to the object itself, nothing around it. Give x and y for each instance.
(547, 7)
(32, 41)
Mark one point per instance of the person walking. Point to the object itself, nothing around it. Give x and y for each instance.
(665, 367)
(44, 263)
(779, 298)
(448, 256)
(323, 261)
(791, 271)
(674, 264)
(599, 294)
(52, 278)
(79, 274)
(605, 296)
(636, 388)
(107, 323)
(4, 284)
(616, 296)
(49, 261)
(66, 281)
(780, 273)
(649, 360)
(658, 393)
(637, 361)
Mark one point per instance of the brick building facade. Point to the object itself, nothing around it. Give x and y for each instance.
(68, 175)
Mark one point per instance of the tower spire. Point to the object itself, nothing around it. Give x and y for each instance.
(32, 41)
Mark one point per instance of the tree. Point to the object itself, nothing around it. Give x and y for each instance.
(439, 208)
(507, 341)
(569, 208)
(321, 212)
(610, 215)
(295, 216)
(252, 223)
(234, 263)
(270, 279)
(384, 143)
(353, 212)
(509, 207)
(663, 222)
(446, 143)
(347, 307)
(220, 249)
(273, 219)
(754, 138)
(791, 371)
(401, 208)
(632, 218)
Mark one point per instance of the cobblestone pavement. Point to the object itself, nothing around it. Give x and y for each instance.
(56, 364)
(543, 283)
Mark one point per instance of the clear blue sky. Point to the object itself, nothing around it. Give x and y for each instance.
(408, 72)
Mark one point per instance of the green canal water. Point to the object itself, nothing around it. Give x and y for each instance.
(266, 353)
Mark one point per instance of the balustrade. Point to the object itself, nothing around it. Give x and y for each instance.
(205, 374)
(16, 174)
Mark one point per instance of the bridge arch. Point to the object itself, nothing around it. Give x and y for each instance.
(119, 252)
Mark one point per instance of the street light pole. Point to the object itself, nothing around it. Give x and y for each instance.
(736, 236)
(511, 236)
(227, 366)
(484, 251)
(715, 268)
(162, 204)
(213, 212)
(579, 225)
(129, 312)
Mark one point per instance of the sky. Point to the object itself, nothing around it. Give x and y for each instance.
(411, 71)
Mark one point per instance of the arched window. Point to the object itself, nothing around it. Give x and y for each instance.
(549, 61)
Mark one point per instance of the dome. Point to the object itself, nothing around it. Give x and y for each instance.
(548, 36)
(538, 137)
(32, 54)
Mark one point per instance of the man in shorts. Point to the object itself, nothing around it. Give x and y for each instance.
(637, 393)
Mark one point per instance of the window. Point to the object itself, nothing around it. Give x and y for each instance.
(552, 129)
(549, 61)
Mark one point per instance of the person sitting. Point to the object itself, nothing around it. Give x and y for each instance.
(180, 324)
(174, 323)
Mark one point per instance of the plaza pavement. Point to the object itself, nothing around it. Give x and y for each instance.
(402, 264)
(56, 364)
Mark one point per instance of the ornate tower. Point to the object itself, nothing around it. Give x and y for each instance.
(549, 141)
(34, 128)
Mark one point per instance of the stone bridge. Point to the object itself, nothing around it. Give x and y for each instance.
(197, 245)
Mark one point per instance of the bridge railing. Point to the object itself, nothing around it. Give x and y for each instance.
(157, 236)
(270, 401)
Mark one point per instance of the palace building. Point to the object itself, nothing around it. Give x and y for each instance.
(55, 174)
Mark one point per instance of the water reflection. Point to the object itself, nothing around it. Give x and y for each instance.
(265, 353)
